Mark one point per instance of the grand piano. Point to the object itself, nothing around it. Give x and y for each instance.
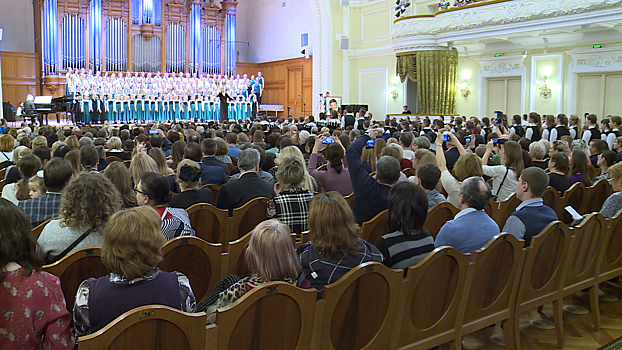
(46, 105)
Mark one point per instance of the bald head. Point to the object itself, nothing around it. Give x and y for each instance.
(475, 192)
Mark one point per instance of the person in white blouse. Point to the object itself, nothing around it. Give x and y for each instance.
(504, 176)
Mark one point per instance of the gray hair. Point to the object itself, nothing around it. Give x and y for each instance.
(537, 150)
(422, 142)
(388, 170)
(303, 136)
(476, 192)
(86, 141)
(248, 159)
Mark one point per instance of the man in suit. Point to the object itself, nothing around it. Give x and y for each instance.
(209, 174)
(348, 119)
(31, 111)
(235, 194)
(209, 146)
(472, 228)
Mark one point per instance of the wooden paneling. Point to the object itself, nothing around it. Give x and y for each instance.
(599, 94)
(504, 94)
(285, 80)
(20, 76)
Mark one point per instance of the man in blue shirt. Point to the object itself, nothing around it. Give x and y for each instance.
(232, 138)
(472, 228)
(531, 216)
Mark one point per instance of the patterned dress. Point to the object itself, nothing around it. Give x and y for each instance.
(34, 314)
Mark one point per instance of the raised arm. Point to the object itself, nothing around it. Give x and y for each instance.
(489, 147)
(440, 156)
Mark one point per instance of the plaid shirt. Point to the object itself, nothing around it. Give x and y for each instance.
(41, 208)
(321, 270)
(292, 209)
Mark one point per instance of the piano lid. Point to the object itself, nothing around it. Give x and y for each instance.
(43, 100)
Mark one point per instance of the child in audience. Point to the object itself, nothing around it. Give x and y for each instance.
(558, 167)
(37, 187)
(428, 176)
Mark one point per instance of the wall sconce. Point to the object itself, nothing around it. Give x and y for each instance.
(463, 86)
(544, 85)
(393, 88)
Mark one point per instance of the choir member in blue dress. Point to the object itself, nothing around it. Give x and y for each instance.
(261, 82)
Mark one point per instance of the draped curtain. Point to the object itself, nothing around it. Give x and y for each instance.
(435, 72)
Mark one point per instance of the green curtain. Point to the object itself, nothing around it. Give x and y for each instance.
(407, 67)
(437, 72)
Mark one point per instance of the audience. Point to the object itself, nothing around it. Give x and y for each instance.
(120, 177)
(131, 250)
(531, 216)
(248, 186)
(472, 227)
(558, 168)
(409, 242)
(336, 177)
(309, 182)
(579, 168)
(270, 256)
(370, 195)
(57, 174)
(80, 224)
(28, 167)
(209, 148)
(605, 160)
(291, 201)
(189, 178)
(335, 247)
(613, 204)
(7, 144)
(596, 147)
(153, 190)
(537, 150)
(36, 187)
(504, 176)
(34, 314)
(428, 176)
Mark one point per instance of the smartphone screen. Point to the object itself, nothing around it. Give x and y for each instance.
(153, 131)
(446, 137)
(371, 143)
(328, 140)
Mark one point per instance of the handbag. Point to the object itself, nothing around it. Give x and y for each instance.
(52, 258)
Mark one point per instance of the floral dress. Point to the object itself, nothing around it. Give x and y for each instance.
(33, 312)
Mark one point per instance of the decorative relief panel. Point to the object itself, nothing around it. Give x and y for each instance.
(480, 15)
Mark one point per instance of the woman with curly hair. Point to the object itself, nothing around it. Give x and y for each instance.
(88, 202)
(189, 179)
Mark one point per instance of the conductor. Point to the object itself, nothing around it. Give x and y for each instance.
(224, 105)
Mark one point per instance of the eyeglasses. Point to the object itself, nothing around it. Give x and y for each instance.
(139, 191)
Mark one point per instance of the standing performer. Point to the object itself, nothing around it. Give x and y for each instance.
(262, 84)
(224, 106)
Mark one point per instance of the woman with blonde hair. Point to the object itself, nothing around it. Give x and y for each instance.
(309, 182)
(87, 204)
(160, 159)
(72, 142)
(189, 179)
(28, 167)
(270, 256)
(115, 149)
(334, 242)
(119, 175)
(7, 144)
(222, 151)
(39, 141)
(142, 163)
(467, 165)
(131, 250)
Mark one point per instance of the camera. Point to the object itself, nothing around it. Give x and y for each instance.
(467, 139)
(498, 121)
(371, 143)
(446, 137)
(498, 141)
(153, 131)
(328, 140)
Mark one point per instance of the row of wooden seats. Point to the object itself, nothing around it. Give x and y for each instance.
(443, 298)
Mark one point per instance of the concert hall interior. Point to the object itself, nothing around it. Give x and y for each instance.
(355, 137)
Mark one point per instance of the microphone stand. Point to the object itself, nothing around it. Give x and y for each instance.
(304, 106)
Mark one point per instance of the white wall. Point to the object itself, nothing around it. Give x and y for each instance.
(17, 22)
(272, 30)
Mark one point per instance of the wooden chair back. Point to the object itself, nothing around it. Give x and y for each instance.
(611, 251)
(246, 217)
(234, 160)
(501, 211)
(237, 261)
(544, 268)
(551, 199)
(209, 222)
(592, 171)
(495, 270)
(376, 227)
(572, 197)
(127, 163)
(409, 172)
(359, 309)
(350, 199)
(195, 258)
(596, 196)
(149, 327)
(230, 168)
(76, 267)
(2, 173)
(433, 309)
(2, 184)
(275, 315)
(587, 238)
(113, 159)
(215, 189)
(36, 231)
(438, 215)
(305, 237)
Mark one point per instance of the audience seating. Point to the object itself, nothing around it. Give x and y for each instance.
(246, 217)
(215, 189)
(209, 222)
(2, 183)
(234, 160)
(438, 215)
(431, 307)
(596, 196)
(494, 272)
(350, 199)
(276, 315)
(542, 274)
(127, 163)
(551, 199)
(611, 253)
(592, 171)
(2, 173)
(582, 272)
(76, 267)
(409, 172)
(36, 231)
(198, 260)
(358, 311)
(234, 260)
(572, 197)
(501, 211)
(114, 159)
(230, 168)
(376, 227)
(149, 327)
